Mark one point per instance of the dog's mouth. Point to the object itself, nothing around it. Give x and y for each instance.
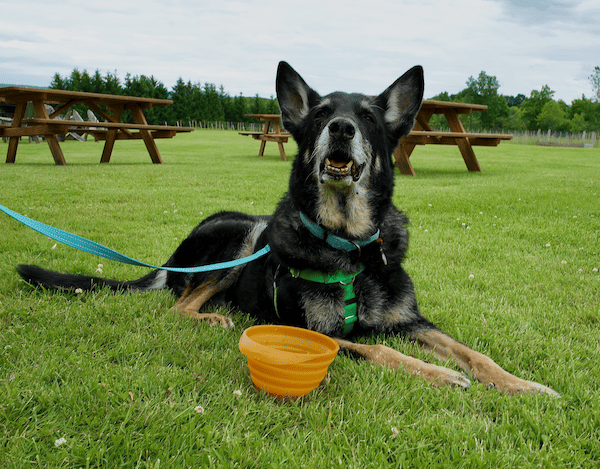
(339, 167)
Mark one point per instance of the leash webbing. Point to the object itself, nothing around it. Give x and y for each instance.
(92, 247)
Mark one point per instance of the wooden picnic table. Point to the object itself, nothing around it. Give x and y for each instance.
(265, 136)
(51, 124)
(423, 134)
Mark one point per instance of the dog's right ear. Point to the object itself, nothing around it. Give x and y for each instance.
(295, 97)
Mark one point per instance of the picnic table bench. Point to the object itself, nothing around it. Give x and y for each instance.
(51, 124)
(265, 136)
(423, 134)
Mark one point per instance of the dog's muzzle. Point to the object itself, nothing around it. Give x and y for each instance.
(338, 164)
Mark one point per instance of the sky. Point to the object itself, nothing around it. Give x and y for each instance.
(350, 45)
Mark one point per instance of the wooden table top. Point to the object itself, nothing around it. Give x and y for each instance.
(461, 108)
(16, 94)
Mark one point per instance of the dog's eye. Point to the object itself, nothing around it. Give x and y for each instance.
(320, 114)
(369, 118)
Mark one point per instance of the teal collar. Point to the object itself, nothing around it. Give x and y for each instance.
(334, 241)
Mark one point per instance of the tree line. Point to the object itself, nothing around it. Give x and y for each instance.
(207, 102)
(191, 101)
(539, 110)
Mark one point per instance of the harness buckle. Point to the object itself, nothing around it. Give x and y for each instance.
(350, 282)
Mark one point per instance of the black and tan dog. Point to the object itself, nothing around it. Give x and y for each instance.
(337, 241)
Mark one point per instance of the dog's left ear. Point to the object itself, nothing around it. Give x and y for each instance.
(295, 97)
(402, 102)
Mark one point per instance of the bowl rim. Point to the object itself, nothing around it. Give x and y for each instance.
(248, 346)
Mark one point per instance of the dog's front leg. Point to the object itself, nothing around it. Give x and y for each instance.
(386, 356)
(483, 368)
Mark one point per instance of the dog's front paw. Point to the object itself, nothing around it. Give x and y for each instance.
(212, 319)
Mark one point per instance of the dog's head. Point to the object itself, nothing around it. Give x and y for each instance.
(346, 125)
(346, 140)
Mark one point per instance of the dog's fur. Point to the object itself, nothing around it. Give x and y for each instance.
(343, 180)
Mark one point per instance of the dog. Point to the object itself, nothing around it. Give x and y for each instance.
(337, 241)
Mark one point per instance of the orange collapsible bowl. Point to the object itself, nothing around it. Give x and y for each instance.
(286, 361)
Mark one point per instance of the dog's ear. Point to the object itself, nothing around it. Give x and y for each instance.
(295, 97)
(402, 102)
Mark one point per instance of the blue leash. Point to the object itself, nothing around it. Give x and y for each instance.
(92, 247)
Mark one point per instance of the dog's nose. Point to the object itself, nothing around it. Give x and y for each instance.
(342, 129)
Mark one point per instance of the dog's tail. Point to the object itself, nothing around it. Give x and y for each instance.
(37, 276)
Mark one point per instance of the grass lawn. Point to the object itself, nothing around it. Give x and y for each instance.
(505, 260)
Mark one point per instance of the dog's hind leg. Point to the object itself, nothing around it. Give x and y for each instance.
(482, 368)
(386, 356)
(192, 299)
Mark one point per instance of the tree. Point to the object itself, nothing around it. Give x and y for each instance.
(533, 105)
(552, 117)
(588, 110)
(484, 90)
(515, 100)
(595, 79)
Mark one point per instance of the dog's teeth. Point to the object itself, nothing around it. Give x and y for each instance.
(349, 165)
(327, 161)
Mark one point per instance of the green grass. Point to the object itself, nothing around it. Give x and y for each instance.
(119, 377)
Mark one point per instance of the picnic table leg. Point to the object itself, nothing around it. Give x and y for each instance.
(139, 118)
(13, 142)
(111, 136)
(402, 156)
(463, 143)
(281, 151)
(57, 153)
(261, 152)
(263, 143)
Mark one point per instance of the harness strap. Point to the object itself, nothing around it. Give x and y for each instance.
(346, 282)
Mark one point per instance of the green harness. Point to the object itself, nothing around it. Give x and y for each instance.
(343, 278)
(346, 282)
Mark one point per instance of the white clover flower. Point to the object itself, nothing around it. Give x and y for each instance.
(237, 393)
(199, 409)
(471, 277)
(78, 291)
(60, 441)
